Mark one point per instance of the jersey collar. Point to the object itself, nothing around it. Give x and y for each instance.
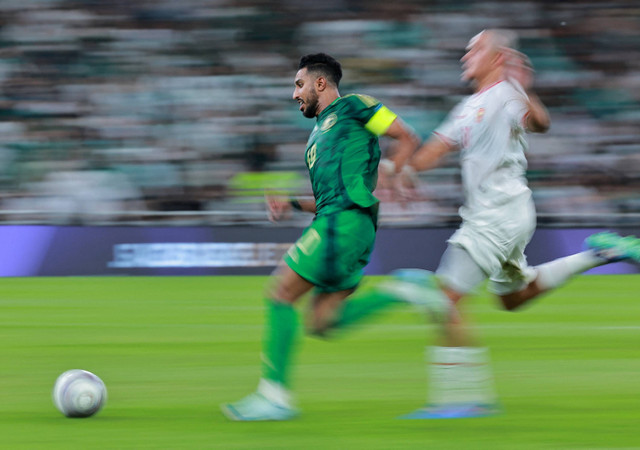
(486, 88)
(329, 106)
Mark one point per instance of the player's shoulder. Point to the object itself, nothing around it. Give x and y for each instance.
(360, 100)
(510, 90)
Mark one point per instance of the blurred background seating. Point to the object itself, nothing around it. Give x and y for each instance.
(165, 112)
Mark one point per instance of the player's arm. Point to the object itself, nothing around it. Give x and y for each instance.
(431, 152)
(405, 143)
(385, 122)
(537, 118)
(279, 207)
(520, 71)
(305, 204)
(426, 157)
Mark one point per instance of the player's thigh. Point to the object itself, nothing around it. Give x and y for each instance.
(497, 236)
(515, 275)
(349, 250)
(333, 250)
(458, 271)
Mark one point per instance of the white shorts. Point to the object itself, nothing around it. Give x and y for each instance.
(494, 241)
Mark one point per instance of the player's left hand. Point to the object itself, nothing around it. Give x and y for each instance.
(519, 69)
(278, 207)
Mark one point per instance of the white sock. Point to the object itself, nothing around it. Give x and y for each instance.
(275, 392)
(555, 273)
(460, 375)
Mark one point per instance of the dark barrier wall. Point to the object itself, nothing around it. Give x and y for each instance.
(62, 251)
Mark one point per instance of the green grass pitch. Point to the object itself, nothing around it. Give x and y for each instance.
(171, 349)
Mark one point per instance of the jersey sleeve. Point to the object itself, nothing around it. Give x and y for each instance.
(376, 117)
(515, 106)
(450, 130)
(359, 163)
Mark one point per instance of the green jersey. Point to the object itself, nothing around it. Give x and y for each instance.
(343, 153)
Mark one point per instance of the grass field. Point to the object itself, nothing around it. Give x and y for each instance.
(171, 349)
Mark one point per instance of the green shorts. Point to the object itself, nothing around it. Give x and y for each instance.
(333, 250)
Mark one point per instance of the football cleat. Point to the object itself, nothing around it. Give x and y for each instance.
(419, 288)
(256, 407)
(614, 247)
(457, 411)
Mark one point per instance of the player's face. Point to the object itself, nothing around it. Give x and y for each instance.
(479, 59)
(305, 93)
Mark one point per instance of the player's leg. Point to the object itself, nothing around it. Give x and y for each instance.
(421, 289)
(281, 324)
(602, 248)
(273, 399)
(325, 256)
(342, 310)
(549, 276)
(325, 310)
(303, 269)
(458, 275)
(460, 377)
(353, 236)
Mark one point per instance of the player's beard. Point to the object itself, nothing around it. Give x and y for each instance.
(311, 105)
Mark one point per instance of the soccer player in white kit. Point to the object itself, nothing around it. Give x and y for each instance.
(498, 218)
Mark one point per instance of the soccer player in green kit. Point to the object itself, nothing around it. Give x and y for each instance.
(342, 156)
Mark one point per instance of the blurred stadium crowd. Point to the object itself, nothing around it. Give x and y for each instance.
(180, 112)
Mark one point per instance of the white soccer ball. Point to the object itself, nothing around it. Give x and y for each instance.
(79, 393)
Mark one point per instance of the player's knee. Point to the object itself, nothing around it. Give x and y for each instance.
(317, 327)
(516, 300)
(454, 296)
(279, 294)
(509, 302)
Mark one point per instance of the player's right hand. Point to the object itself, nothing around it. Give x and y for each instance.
(397, 187)
(406, 186)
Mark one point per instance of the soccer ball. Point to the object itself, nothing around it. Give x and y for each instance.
(79, 393)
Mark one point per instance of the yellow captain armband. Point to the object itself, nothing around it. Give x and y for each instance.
(381, 121)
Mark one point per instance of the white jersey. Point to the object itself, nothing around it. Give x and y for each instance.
(498, 217)
(488, 128)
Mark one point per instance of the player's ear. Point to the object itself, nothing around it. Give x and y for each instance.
(321, 83)
(501, 57)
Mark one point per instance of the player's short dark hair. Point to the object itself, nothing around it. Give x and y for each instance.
(324, 64)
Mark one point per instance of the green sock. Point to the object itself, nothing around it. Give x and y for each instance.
(280, 336)
(362, 306)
